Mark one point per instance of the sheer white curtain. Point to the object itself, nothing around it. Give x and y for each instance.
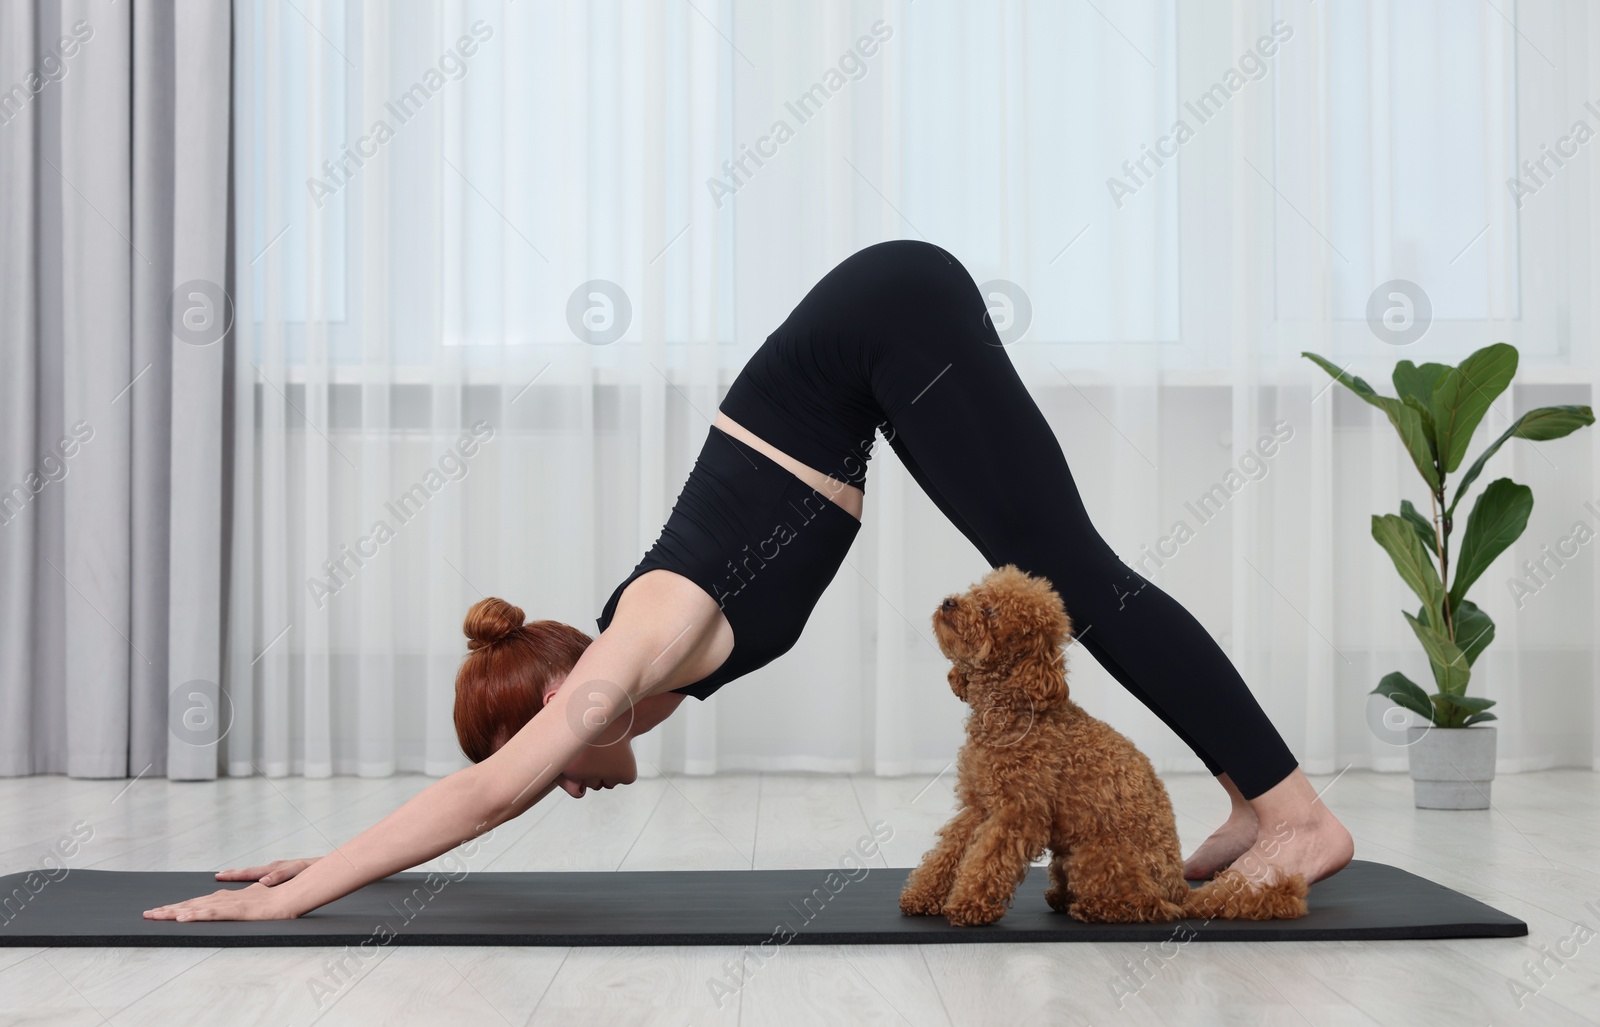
(447, 213)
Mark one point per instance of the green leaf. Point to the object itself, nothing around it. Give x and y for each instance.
(1498, 516)
(1399, 540)
(1545, 423)
(1420, 382)
(1415, 386)
(1477, 718)
(1349, 381)
(1404, 692)
(1426, 417)
(1419, 441)
(1474, 630)
(1407, 420)
(1457, 708)
(1470, 703)
(1450, 669)
(1538, 425)
(1423, 526)
(1463, 397)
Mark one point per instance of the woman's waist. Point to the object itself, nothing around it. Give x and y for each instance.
(737, 493)
(742, 517)
(847, 497)
(810, 400)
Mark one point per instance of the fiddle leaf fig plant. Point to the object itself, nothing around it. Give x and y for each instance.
(1436, 411)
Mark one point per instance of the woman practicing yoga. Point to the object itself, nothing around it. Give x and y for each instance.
(895, 339)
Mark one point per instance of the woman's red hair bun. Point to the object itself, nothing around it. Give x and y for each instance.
(490, 620)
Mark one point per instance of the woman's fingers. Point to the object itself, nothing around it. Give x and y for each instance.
(188, 908)
(283, 870)
(227, 904)
(185, 910)
(164, 913)
(269, 874)
(186, 913)
(241, 873)
(249, 873)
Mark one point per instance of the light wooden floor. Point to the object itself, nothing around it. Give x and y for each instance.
(1534, 856)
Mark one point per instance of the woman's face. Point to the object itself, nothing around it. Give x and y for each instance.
(600, 767)
(608, 760)
(604, 763)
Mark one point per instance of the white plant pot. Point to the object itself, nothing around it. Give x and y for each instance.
(1451, 767)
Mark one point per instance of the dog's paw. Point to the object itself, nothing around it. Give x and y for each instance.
(918, 902)
(970, 913)
(1141, 911)
(1060, 899)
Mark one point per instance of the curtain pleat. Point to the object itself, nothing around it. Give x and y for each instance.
(197, 154)
(24, 596)
(96, 555)
(116, 160)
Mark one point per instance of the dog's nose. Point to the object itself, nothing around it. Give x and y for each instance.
(948, 604)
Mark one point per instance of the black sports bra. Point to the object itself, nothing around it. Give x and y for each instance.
(759, 541)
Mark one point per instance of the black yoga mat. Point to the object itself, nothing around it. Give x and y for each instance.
(1365, 901)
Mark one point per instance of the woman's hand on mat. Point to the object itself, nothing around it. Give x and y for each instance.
(269, 874)
(255, 902)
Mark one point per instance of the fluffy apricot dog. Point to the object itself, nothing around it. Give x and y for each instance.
(1038, 772)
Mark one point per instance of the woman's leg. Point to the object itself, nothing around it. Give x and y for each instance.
(961, 416)
(1103, 657)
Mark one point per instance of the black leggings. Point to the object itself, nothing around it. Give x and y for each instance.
(897, 338)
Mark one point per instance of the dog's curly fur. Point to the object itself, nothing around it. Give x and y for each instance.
(1038, 772)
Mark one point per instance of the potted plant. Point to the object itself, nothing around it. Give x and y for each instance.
(1436, 411)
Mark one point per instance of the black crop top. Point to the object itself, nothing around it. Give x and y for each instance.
(759, 541)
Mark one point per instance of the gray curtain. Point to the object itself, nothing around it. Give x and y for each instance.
(114, 274)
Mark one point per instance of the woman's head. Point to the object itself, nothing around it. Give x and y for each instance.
(511, 671)
(510, 668)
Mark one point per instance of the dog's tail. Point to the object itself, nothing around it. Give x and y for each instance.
(1233, 896)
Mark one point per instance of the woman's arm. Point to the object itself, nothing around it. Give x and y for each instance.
(618, 668)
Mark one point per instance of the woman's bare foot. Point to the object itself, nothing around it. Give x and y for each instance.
(1287, 828)
(1299, 834)
(1228, 842)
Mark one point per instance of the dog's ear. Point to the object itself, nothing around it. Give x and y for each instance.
(1043, 676)
(958, 682)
